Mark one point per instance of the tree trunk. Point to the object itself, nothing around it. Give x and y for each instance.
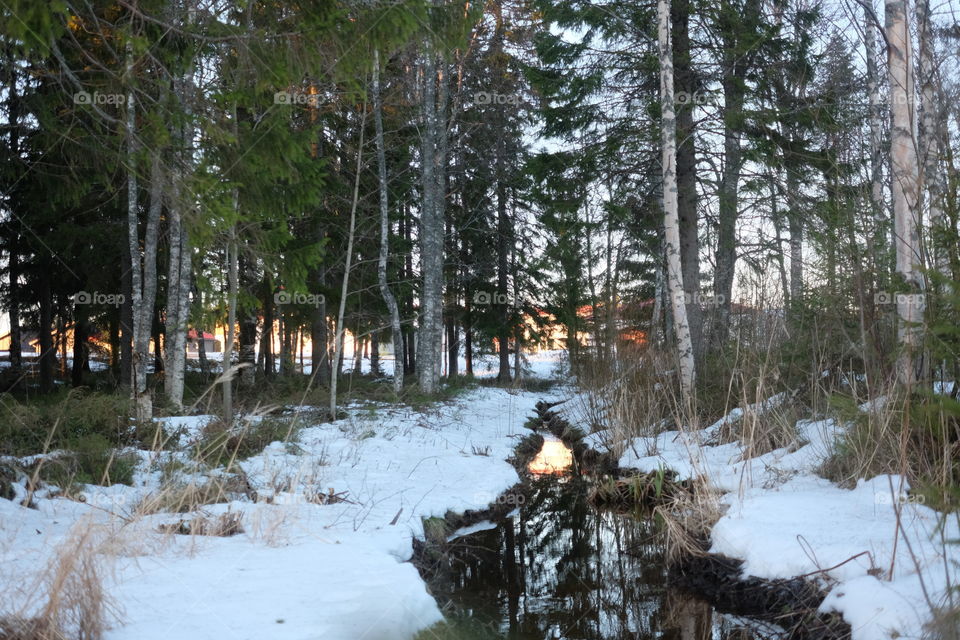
(79, 344)
(375, 369)
(176, 321)
(133, 251)
(878, 238)
(16, 337)
(266, 336)
(733, 77)
(144, 284)
(126, 322)
(13, 228)
(247, 337)
(795, 223)
(686, 94)
(396, 330)
(671, 219)
(338, 336)
(431, 236)
(933, 178)
(467, 334)
(48, 354)
(233, 290)
(906, 178)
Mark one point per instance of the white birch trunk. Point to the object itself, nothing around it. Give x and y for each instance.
(137, 362)
(933, 179)
(876, 131)
(671, 221)
(906, 179)
(388, 296)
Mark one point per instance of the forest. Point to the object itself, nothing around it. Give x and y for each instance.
(225, 224)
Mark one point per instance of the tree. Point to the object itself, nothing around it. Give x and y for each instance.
(388, 296)
(906, 185)
(671, 222)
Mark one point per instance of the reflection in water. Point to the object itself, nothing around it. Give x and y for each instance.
(554, 458)
(560, 569)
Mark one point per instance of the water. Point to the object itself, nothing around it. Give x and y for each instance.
(559, 568)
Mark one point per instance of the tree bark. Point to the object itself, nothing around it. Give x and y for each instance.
(48, 354)
(876, 110)
(144, 285)
(671, 218)
(388, 297)
(431, 236)
(932, 176)
(906, 179)
(686, 94)
(234, 287)
(338, 336)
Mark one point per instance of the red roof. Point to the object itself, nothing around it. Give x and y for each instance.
(192, 335)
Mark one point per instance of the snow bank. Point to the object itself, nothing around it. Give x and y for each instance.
(300, 569)
(784, 521)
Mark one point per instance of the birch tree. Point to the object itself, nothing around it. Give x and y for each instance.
(671, 221)
(906, 183)
(876, 127)
(137, 362)
(932, 177)
(338, 336)
(388, 297)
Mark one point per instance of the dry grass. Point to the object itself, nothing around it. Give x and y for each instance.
(74, 603)
(688, 518)
(229, 523)
(184, 497)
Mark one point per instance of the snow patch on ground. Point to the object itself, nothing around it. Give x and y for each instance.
(300, 569)
(784, 521)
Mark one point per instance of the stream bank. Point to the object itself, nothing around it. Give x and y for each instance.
(546, 561)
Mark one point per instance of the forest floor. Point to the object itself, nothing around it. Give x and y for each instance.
(315, 545)
(887, 562)
(314, 536)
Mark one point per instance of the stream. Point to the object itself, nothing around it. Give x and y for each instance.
(557, 567)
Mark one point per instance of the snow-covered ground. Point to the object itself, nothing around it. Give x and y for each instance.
(300, 569)
(882, 554)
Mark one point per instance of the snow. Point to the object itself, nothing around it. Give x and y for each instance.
(784, 521)
(300, 569)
